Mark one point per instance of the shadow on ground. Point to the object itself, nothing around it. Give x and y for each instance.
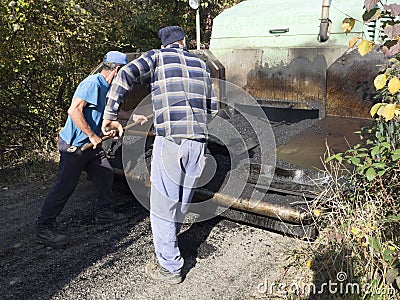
(32, 271)
(193, 244)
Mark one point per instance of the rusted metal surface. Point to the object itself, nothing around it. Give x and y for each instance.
(301, 81)
(310, 79)
(350, 84)
(307, 149)
(345, 88)
(284, 213)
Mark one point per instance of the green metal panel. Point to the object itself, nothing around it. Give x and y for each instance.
(248, 24)
(271, 48)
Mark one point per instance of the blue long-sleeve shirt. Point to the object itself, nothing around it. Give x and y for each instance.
(181, 89)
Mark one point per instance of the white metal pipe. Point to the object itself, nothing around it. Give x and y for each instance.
(325, 9)
(198, 29)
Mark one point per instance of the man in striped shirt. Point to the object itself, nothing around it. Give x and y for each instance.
(183, 101)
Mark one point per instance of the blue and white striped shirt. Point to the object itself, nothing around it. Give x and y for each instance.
(181, 89)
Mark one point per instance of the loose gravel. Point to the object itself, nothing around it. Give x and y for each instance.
(223, 259)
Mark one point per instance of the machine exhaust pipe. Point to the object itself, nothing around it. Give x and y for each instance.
(325, 25)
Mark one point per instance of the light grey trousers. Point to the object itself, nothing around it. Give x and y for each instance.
(175, 170)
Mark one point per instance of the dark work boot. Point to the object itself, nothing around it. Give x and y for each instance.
(47, 235)
(107, 216)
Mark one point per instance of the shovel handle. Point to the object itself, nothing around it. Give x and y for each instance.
(106, 137)
(90, 145)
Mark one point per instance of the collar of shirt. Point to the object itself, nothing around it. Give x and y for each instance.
(103, 80)
(176, 46)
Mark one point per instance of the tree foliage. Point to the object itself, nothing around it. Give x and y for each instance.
(47, 47)
(377, 10)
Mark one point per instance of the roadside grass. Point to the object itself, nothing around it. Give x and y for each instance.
(356, 255)
(38, 165)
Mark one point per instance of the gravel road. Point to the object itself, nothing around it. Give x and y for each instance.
(223, 259)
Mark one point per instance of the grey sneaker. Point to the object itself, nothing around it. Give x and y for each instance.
(158, 273)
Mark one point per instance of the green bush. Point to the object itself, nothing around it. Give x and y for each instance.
(359, 212)
(48, 47)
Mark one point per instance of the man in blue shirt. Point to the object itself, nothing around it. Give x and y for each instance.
(183, 100)
(83, 126)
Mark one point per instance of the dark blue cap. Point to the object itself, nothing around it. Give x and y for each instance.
(171, 34)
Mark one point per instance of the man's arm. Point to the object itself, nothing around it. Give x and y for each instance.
(75, 111)
(137, 71)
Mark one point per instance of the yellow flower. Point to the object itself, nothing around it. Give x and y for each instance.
(309, 264)
(355, 230)
(317, 212)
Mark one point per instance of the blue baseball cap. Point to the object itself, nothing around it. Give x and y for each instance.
(116, 57)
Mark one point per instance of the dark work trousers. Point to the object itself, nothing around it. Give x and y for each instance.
(98, 169)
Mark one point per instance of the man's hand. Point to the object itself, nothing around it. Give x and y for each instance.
(95, 140)
(139, 118)
(111, 127)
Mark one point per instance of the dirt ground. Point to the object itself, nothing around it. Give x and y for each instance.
(223, 259)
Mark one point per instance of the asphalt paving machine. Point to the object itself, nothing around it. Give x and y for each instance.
(307, 90)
